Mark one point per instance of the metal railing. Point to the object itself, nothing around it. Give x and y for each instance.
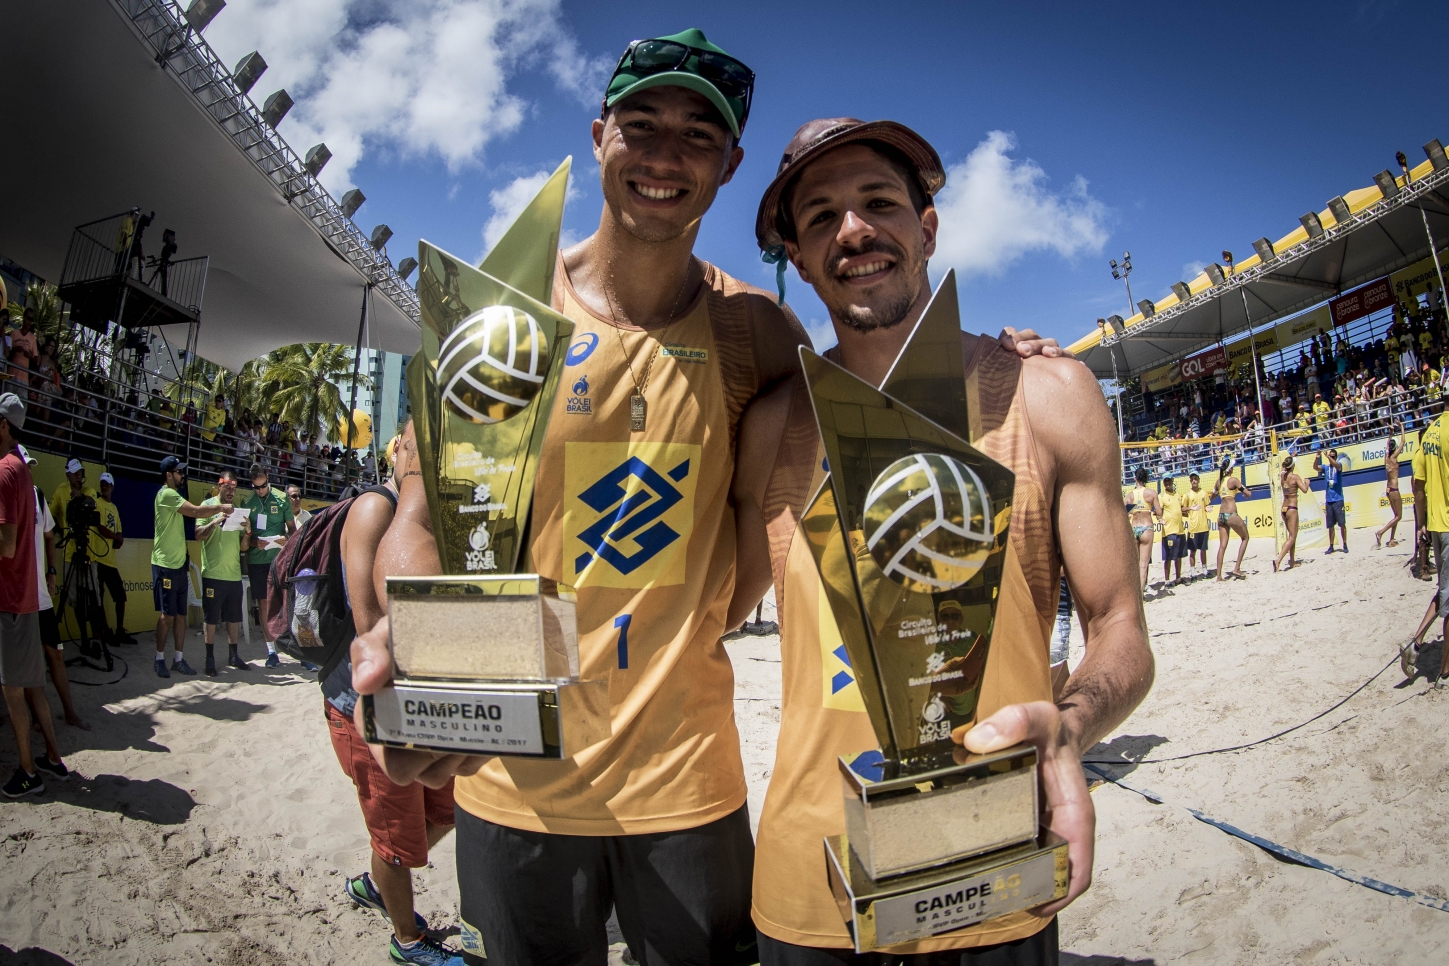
(162, 25)
(101, 251)
(1390, 413)
(130, 430)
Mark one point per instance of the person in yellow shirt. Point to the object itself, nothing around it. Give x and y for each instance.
(1174, 541)
(108, 541)
(1320, 416)
(1431, 510)
(214, 419)
(1197, 501)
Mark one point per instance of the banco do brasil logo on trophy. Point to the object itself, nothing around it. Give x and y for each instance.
(927, 522)
(493, 364)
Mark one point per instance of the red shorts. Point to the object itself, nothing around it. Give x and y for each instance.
(397, 816)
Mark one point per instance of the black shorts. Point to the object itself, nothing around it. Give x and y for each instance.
(221, 600)
(50, 629)
(536, 897)
(1197, 541)
(110, 579)
(1333, 514)
(1040, 949)
(168, 591)
(258, 575)
(1174, 547)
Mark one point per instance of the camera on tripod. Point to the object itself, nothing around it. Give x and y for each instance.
(82, 519)
(81, 516)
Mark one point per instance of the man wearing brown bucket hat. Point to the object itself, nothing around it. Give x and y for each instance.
(851, 208)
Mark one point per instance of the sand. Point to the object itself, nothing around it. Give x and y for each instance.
(209, 822)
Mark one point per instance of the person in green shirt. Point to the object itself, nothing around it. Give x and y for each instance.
(169, 562)
(271, 524)
(221, 578)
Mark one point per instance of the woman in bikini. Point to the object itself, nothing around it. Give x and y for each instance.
(1293, 484)
(1391, 483)
(1230, 489)
(1140, 511)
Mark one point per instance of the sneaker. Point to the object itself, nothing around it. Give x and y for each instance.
(23, 784)
(161, 671)
(236, 662)
(273, 660)
(210, 666)
(362, 892)
(55, 769)
(181, 667)
(309, 666)
(425, 952)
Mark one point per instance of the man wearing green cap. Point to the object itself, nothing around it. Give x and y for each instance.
(668, 352)
(668, 356)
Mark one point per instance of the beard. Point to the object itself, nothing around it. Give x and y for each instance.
(887, 310)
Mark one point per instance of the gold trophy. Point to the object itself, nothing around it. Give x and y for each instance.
(909, 533)
(485, 660)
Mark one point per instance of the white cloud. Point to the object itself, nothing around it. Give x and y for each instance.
(419, 77)
(512, 198)
(1192, 270)
(995, 209)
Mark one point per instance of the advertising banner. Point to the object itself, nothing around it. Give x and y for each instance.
(1204, 363)
(1264, 342)
(1303, 327)
(1411, 282)
(1361, 301)
(1163, 377)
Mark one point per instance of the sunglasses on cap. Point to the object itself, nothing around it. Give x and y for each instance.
(730, 76)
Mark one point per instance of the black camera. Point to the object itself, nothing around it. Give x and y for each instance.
(80, 516)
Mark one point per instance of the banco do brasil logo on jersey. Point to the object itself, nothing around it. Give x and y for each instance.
(629, 513)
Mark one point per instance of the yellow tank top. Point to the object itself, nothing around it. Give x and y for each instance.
(821, 712)
(641, 525)
(1171, 512)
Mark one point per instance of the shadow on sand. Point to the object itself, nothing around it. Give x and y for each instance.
(1072, 959)
(31, 956)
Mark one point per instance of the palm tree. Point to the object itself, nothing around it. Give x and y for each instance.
(301, 382)
(200, 381)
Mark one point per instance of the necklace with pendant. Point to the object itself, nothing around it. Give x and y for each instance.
(638, 406)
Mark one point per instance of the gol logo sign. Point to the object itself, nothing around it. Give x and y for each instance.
(1204, 363)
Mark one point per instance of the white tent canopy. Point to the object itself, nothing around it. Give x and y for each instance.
(102, 127)
(1360, 237)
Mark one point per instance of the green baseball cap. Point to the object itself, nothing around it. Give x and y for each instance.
(686, 59)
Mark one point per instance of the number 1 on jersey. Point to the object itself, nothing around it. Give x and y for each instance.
(622, 623)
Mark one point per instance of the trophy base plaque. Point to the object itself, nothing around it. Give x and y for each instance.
(904, 908)
(486, 666)
(905, 817)
(525, 719)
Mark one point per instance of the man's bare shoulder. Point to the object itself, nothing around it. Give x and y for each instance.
(1067, 410)
(775, 332)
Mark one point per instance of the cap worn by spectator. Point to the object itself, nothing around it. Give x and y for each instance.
(108, 478)
(12, 409)
(74, 466)
(172, 464)
(25, 455)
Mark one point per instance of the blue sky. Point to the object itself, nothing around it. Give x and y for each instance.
(1070, 131)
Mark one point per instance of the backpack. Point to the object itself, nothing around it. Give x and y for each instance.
(313, 622)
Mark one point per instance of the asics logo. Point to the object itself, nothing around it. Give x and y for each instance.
(633, 517)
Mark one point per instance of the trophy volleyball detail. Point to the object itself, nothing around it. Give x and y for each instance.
(485, 659)
(909, 533)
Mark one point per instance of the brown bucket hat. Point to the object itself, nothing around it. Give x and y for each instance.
(816, 137)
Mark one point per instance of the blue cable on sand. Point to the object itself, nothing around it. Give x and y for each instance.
(1282, 851)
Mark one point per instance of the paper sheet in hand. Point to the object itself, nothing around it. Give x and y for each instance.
(272, 543)
(237, 520)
